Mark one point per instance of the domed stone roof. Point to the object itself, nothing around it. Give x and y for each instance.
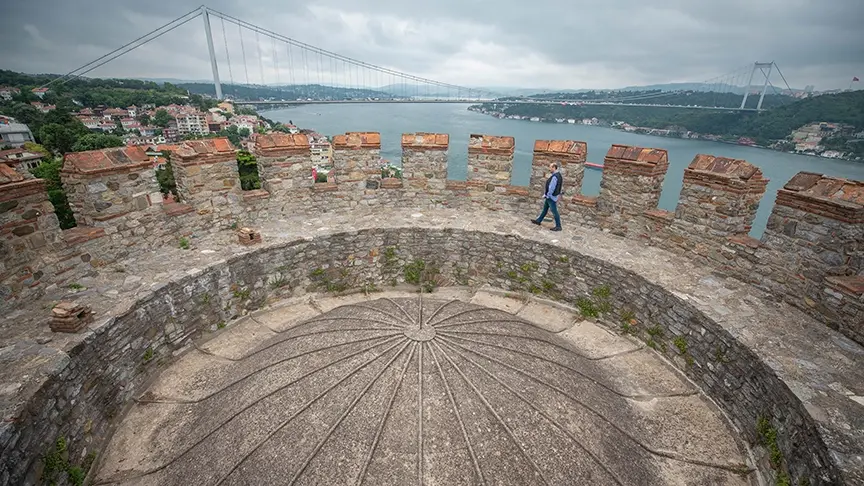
(396, 392)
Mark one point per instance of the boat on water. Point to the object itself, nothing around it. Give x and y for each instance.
(593, 165)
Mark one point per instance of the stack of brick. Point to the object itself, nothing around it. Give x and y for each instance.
(631, 185)
(718, 200)
(424, 167)
(70, 317)
(248, 236)
(208, 179)
(570, 156)
(285, 167)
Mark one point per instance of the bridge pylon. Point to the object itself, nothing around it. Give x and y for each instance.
(218, 85)
(761, 67)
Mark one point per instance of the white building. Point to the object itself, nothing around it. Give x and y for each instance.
(14, 133)
(191, 123)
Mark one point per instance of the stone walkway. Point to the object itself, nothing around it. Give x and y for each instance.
(821, 367)
(467, 388)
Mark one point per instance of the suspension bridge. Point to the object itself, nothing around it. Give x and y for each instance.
(291, 72)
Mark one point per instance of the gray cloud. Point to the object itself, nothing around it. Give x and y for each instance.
(542, 43)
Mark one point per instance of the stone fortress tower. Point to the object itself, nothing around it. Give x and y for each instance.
(769, 331)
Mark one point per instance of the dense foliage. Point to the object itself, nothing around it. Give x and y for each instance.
(116, 93)
(50, 171)
(96, 141)
(247, 164)
(764, 127)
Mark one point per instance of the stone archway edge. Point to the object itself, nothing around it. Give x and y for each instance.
(782, 363)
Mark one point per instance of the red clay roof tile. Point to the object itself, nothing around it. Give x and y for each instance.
(278, 140)
(638, 154)
(421, 139)
(731, 168)
(106, 160)
(564, 147)
(9, 175)
(358, 139)
(193, 148)
(491, 142)
(824, 187)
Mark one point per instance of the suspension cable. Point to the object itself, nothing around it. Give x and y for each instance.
(129, 47)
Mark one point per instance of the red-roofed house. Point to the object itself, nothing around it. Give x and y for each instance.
(40, 92)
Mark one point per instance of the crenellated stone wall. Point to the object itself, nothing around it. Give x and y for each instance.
(631, 185)
(811, 253)
(811, 256)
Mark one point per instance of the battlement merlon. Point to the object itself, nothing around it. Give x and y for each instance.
(105, 184)
(724, 174)
(490, 159)
(570, 155)
(205, 171)
(425, 159)
(284, 163)
(719, 198)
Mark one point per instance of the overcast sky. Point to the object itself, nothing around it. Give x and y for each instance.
(538, 43)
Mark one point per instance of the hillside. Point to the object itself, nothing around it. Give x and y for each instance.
(764, 127)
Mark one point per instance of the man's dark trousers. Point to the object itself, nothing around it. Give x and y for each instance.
(548, 205)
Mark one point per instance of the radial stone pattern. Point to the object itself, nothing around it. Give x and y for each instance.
(397, 392)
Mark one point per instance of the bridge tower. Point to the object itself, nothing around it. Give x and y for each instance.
(205, 14)
(761, 67)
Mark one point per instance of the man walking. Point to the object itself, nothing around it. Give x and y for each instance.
(550, 197)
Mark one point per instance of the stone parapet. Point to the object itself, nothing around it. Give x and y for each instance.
(490, 159)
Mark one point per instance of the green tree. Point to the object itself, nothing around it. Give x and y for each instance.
(161, 118)
(60, 138)
(243, 132)
(144, 119)
(96, 141)
(247, 165)
(50, 171)
(165, 177)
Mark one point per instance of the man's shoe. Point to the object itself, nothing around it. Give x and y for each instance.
(557, 228)
(535, 222)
